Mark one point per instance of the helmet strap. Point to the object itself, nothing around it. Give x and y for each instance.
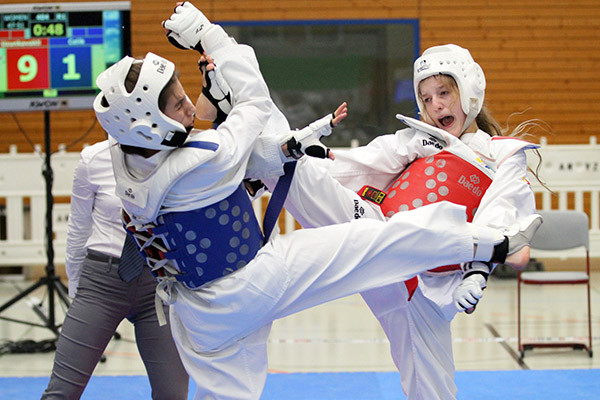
(175, 139)
(471, 115)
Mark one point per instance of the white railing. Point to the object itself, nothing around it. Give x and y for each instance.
(571, 171)
(23, 193)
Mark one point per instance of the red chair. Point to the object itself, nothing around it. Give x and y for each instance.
(561, 230)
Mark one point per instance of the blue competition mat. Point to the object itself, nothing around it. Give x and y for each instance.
(579, 384)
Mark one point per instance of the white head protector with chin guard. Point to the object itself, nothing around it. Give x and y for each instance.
(134, 118)
(457, 62)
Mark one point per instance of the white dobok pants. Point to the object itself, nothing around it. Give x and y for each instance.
(419, 332)
(221, 329)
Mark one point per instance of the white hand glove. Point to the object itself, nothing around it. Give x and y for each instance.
(187, 27)
(467, 294)
(306, 141)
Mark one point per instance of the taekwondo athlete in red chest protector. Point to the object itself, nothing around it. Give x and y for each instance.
(455, 154)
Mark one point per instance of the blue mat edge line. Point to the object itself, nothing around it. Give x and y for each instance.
(502, 384)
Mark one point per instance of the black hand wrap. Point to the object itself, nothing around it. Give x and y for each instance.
(293, 147)
(317, 151)
(500, 252)
(221, 116)
(198, 47)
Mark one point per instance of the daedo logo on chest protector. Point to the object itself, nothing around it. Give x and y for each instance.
(471, 184)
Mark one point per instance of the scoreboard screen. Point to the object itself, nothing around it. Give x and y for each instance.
(51, 53)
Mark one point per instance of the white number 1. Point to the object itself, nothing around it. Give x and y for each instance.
(71, 74)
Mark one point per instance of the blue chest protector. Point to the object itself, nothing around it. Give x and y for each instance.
(198, 246)
(210, 242)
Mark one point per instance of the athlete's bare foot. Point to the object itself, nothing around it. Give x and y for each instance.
(519, 259)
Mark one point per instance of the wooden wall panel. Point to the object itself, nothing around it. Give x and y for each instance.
(540, 56)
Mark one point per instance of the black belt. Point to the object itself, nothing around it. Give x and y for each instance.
(101, 257)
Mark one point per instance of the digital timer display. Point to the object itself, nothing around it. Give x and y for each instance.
(52, 29)
(51, 54)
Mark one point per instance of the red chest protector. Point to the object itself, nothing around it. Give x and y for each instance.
(444, 176)
(454, 177)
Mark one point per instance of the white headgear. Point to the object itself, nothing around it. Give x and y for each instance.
(457, 62)
(134, 118)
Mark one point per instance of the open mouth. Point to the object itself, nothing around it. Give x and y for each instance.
(446, 121)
